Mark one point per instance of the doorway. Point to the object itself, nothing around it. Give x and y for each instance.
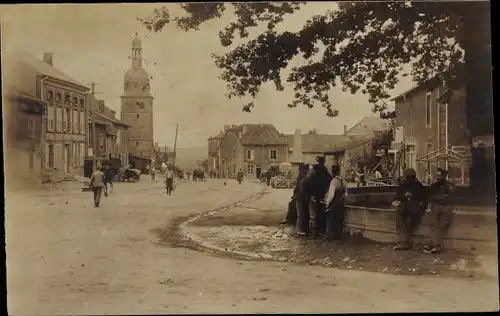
(66, 166)
(258, 171)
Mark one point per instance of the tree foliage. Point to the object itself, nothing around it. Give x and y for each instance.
(360, 47)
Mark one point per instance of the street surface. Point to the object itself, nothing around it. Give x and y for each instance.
(66, 257)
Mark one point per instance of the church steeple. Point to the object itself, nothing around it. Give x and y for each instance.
(136, 52)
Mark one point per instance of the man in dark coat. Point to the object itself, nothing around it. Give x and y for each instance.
(335, 212)
(441, 204)
(410, 203)
(315, 186)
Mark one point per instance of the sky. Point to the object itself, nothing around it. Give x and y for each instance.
(92, 43)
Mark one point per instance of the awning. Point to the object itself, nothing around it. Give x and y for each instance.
(442, 155)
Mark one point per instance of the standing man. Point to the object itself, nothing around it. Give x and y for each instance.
(316, 186)
(335, 212)
(361, 176)
(96, 183)
(410, 203)
(169, 181)
(152, 170)
(441, 204)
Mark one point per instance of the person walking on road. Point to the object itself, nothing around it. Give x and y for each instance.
(335, 213)
(97, 183)
(108, 179)
(441, 204)
(169, 181)
(152, 171)
(410, 203)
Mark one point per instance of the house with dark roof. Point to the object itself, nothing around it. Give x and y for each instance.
(111, 133)
(63, 144)
(252, 148)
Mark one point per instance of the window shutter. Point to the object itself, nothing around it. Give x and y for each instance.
(82, 153)
(47, 155)
(252, 154)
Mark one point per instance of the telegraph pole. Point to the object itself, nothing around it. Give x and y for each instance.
(175, 143)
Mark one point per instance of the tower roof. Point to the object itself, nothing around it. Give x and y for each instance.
(136, 42)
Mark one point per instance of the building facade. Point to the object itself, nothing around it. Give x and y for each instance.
(213, 152)
(23, 139)
(252, 148)
(432, 127)
(111, 134)
(64, 123)
(137, 107)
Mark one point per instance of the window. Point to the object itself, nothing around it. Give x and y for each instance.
(81, 153)
(251, 169)
(137, 143)
(76, 127)
(101, 141)
(50, 118)
(82, 122)
(74, 153)
(58, 97)
(59, 119)
(67, 120)
(273, 154)
(82, 104)
(66, 98)
(137, 115)
(31, 127)
(75, 101)
(32, 160)
(428, 109)
(50, 154)
(234, 153)
(50, 95)
(250, 154)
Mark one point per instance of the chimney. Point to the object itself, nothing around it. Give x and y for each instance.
(226, 127)
(101, 106)
(345, 129)
(113, 113)
(244, 129)
(48, 58)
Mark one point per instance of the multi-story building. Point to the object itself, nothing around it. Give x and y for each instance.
(434, 134)
(111, 133)
(64, 126)
(137, 110)
(252, 148)
(213, 152)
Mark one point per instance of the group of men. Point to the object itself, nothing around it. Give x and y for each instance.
(413, 200)
(317, 205)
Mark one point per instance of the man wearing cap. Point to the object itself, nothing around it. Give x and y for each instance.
(410, 203)
(315, 187)
(441, 204)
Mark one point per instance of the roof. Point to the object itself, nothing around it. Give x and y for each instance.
(44, 68)
(261, 134)
(219, 136)
(317, 143)
(350, 142)
(367, 125)
(107, 114)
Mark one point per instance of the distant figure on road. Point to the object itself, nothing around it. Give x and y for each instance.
(169, 181)
(97, 183)
(239, 176)
(410, 203)
(108, 179)
(441, 204)
(152, 171)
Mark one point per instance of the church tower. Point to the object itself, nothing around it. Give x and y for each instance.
(137, 106)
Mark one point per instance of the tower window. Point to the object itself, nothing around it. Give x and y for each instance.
(137, 143)
(137, 115)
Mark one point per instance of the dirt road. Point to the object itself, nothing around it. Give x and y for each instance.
(66, 257)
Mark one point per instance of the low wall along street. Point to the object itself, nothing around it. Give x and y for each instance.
(474, 223)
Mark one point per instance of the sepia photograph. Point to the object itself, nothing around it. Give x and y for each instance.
(249, 157)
